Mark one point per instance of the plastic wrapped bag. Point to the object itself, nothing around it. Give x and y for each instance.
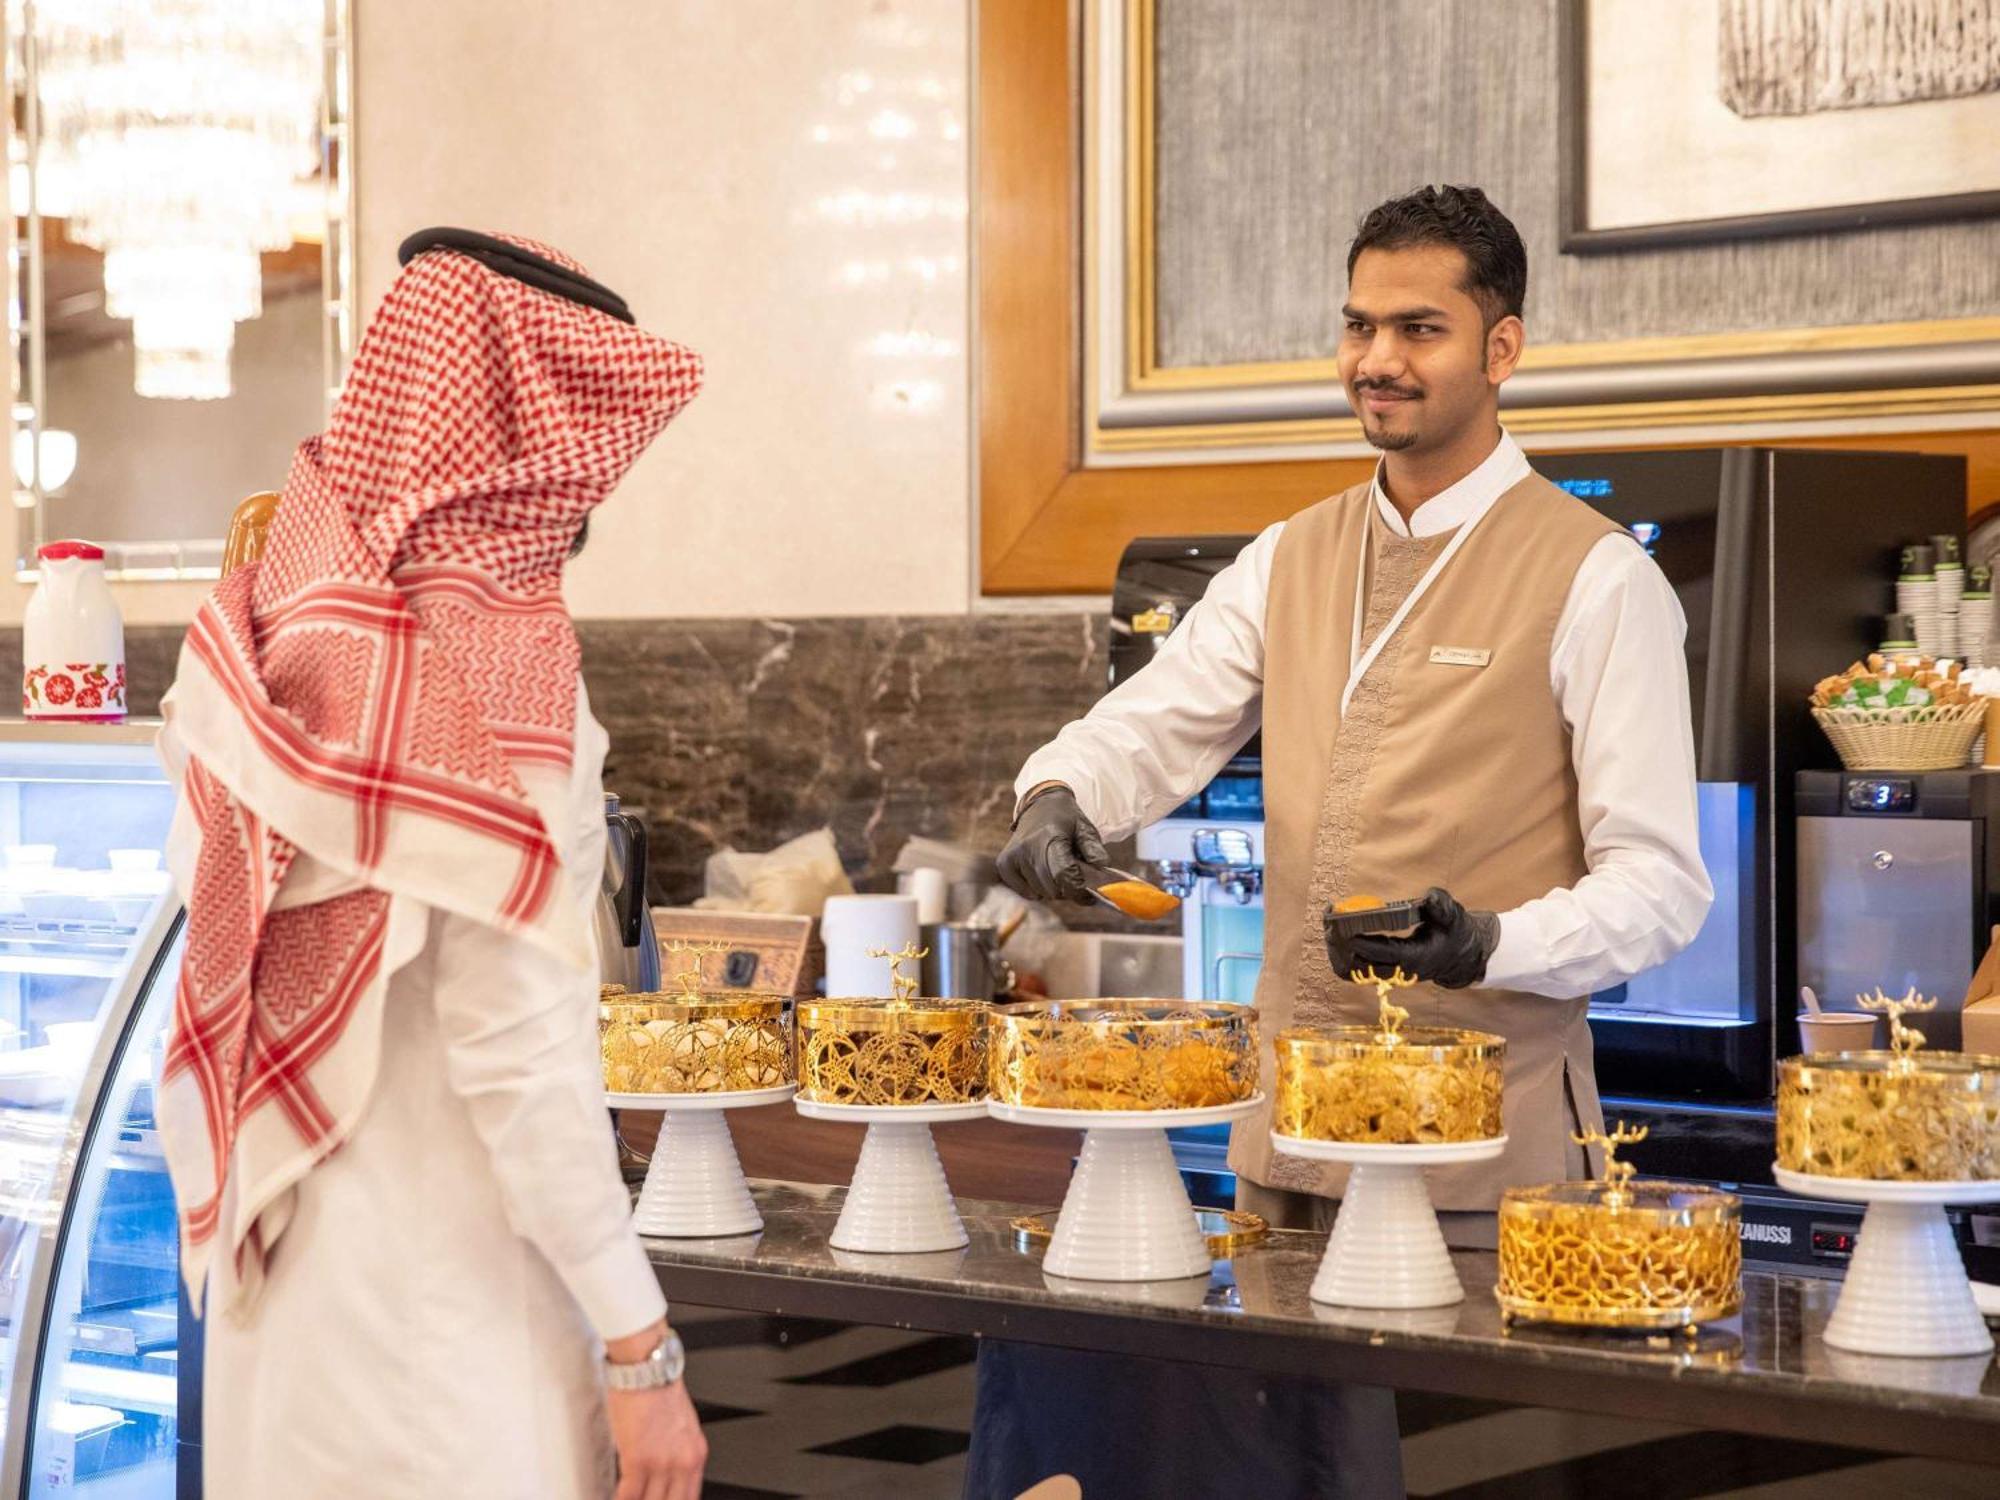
(793, 879)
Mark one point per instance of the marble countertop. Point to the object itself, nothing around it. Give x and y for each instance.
(1765, 1371)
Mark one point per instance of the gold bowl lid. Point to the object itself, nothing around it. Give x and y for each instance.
(872, 1013)
(905, 1010)
(1970, 1066)
(1348, 1041)
(1903, 1056)
(1656, 1198)
(1181, 1015)
(1620, 1192)
(686, 1000)
(728, 1005)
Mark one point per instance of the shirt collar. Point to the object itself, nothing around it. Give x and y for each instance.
(1502, 469)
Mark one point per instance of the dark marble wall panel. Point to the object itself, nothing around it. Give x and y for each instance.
(749, 732)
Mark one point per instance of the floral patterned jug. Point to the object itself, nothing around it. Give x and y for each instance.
(73, 640)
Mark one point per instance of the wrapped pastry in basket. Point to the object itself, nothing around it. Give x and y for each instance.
(1619, 1253)
(1124, 1054)
(691, 1041)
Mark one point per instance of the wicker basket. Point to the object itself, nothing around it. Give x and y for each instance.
(1903, 739)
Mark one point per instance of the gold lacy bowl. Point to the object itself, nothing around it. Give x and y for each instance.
(1432, 1086)
(1648, 1255)
(694, 1044)
(1124, 1054)
(892, 1051)
(1934, 1118)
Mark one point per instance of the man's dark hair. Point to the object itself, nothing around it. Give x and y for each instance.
(1464, 218)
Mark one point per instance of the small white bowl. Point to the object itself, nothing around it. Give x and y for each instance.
(134, 861)
(30, 856)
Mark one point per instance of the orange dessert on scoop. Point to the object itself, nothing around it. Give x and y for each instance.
(1148, 903)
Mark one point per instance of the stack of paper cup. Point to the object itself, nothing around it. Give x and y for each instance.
(1917, 595)
(851, 926)
(1975, 626)
(1950, 590)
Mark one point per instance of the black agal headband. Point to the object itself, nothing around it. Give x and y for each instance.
(523, 265)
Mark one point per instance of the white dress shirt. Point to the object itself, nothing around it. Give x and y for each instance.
(1617, 671)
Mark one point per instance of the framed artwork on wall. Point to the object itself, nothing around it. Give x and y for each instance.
(1714, 120)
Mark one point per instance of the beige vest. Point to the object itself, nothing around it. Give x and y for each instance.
(1439, 774)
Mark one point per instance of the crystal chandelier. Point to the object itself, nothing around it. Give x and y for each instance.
(176, 130)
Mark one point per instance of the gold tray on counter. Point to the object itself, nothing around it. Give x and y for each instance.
(1424, 1085)
(1618, 1253)
(1896, 1115)
(694, 1044)
(901, 1051)
(1123, 1054)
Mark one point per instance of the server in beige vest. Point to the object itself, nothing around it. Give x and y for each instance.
(1469, 684)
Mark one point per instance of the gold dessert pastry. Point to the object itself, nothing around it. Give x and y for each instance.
(692, 1042)
(1124, 1054)
(1388, 1084)
(1901, 1115)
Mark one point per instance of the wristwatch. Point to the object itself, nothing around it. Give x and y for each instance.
(660, 1368)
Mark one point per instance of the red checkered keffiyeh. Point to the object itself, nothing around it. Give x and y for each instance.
(369, 692)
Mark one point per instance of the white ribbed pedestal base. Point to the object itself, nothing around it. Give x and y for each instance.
(1386, 1250)
(899, 1202)
(694, 1186)
(1906, 1292)
(1127, 1216)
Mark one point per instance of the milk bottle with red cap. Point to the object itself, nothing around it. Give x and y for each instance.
(72, 639)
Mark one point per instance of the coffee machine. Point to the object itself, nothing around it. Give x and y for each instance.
(1899, 886)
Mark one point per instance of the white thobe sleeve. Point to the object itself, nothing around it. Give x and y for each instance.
(520, 1033)
(1619, 672)
(1161, 735)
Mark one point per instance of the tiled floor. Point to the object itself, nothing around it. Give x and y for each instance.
(822, 1411)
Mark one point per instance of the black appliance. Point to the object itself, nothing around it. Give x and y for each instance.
(1784, 561)
(1160, 578)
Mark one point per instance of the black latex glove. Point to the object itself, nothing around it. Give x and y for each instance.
(1449, 948)
(1052, 843)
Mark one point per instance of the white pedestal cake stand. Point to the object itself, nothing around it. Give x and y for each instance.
(1906, 1291)
(694, 1187)
(1126, 1216)
(1386, 1249)
(899, 1202)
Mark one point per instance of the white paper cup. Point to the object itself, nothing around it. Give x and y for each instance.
(851, 926)
(1838, 1031)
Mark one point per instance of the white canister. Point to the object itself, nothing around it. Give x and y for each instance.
(852, 927)
(72, 639)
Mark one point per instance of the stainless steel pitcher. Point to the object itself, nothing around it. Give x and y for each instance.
(627, 951)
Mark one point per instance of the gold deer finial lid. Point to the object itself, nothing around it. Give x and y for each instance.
(1389, 1015)
(904, 985)
(1903, 1040)
(1617, 1174)
(690, 978)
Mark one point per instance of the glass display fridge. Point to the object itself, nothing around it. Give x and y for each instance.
(90, 933)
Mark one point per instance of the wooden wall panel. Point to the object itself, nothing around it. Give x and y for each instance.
(1047, 525)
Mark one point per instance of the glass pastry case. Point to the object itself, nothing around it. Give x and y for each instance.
(90, 934)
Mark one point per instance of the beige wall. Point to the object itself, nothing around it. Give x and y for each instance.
(781, 184)
(672, 149)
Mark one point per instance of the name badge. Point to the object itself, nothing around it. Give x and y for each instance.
(1460, 656)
